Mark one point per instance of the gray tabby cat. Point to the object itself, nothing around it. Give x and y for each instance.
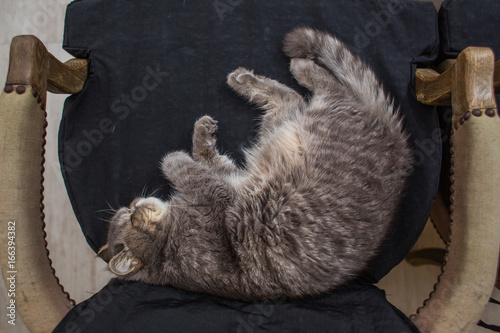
(308, 211)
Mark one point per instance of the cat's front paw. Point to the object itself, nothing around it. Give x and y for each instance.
(204, 139)
(206, 126)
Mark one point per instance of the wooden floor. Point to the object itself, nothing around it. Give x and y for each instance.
(79, 270)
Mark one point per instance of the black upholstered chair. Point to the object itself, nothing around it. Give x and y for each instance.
(145, 71)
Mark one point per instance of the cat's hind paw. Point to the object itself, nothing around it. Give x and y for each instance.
(241, 78)
(248, 85)
(302, 43)
(310, 75)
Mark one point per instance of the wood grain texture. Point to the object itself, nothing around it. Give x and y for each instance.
(66, 78)
(31, 63)
(28, 64)
(433, 88)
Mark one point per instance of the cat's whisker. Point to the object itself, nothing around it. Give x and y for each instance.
(107, 210)
(104, 219)
(144, 191)
(156, 191)
(111, 207)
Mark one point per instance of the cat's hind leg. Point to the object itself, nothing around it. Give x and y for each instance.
(330, 52)
(204, 147)
(279, 101)
(314, 77)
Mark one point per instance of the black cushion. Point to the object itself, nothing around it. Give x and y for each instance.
(138, 307)
(468, 23)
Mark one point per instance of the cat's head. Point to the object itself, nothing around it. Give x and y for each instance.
(131, 235)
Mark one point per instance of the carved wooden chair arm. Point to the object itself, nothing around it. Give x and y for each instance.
(464, 287)
(39, 298)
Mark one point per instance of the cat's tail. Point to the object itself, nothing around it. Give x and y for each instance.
(331, 53)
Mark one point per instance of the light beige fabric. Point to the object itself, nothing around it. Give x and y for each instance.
(469, 274)
(22, 131)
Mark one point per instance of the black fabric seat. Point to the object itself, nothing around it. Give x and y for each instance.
(155, 67)
(139, 307)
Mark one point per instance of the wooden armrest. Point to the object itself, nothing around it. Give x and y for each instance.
(468, 277)
(36, 293)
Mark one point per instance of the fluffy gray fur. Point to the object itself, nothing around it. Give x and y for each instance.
(311, 206)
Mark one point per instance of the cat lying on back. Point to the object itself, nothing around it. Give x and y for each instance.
(308, 211)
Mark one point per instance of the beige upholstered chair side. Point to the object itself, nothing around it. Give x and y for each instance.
(470, 269)
(39, 298)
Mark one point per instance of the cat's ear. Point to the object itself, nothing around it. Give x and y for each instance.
(124, 263)
(105, 253)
